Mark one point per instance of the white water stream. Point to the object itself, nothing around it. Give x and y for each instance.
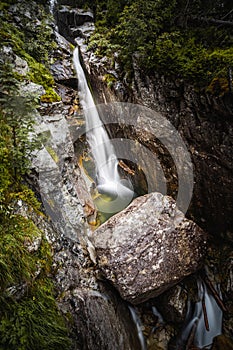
(138, 325)
(204, 338)
(106, 162)
(52, 4)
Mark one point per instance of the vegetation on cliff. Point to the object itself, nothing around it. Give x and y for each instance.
(28, 33)
(29, 317)
(191, 40)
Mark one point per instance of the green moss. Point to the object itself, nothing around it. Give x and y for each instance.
(33, 320)
(53, 154)
(34, 323)
(109, 79)
(29, 317)
(39, 74)
(17, 264)
(50, 96)
(218, 86)
(4, 5)
(72, 47)
(35, 50)
(19, 77)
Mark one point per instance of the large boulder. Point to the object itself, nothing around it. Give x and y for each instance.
(148, 247)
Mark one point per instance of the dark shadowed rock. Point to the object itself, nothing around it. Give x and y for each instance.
(148, 247)
(105, 321)
(68, 19)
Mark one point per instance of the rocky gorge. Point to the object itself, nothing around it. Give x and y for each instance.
(128, 283)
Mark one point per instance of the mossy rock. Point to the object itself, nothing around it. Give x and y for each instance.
(109, 79)
(218, 86)
(50, 96)
(52, 153)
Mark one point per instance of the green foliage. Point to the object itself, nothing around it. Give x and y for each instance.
(29, 318)
(33, 43)
(32, 321)
(33, 324)
(180, 38)
(109, 79)
(16, 141)
(102, 45)
(17, 265)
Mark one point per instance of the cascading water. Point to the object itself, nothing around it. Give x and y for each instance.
(52, 4)
(138, 325)
(203, 336)
(106, 162)
(206, 326)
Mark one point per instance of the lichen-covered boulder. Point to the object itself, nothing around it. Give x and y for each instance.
(148, 247)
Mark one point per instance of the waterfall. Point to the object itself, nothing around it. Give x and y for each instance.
(158, 315)
(204, 335)
(52, 4)
(108, 179)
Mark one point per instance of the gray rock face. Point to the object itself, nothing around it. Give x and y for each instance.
(61, 187)
(68, 19)
(62, 68)
(21, 66)
(31, 90)
(148, 247)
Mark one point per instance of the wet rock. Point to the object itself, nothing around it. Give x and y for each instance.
(62, 71)
(159, 340)
(62, 66)
(68, 19)
(148, 247)
(68, 95)
(74, 17)
(63, 45)
(105, 323)
(172, 303)
(83, 31)
(59, 180)
(222, 343)
(204, 121)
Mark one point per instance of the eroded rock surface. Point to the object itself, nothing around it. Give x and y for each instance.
(148, 247)
(109, 325)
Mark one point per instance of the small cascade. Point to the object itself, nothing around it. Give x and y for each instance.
(158, 315)
(206, 320)
(52, 4)
(108, 180)
(137, 322)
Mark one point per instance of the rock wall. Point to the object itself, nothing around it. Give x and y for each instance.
(203, 120)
